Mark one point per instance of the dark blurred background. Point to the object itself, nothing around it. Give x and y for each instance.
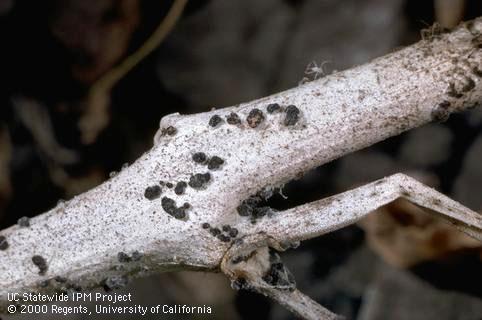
(62, 131)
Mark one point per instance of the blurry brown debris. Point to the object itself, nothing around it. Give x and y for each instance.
(395, 294)
(198, 288)
(404, 234)
(449, 13)
(37, 120)
(96, 32)
(98, 100)
(73, 186)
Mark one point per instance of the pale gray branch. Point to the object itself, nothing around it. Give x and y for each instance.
(247, 260)
(338, 211)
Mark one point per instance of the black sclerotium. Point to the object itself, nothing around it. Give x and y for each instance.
(441, 112)
(152, 192)
(199, 180)
(239, 284)
(41, 264)
(136, 256)
(278, 276)
(246, 207)
(169, 185)
(115, 282)
(225, 234)
(273, 107)
(469, 85)
(180, 187)
(224, 238)
(255, 117)
(3, 243)
(169, 205)
(199, 157)
(244, 210)
(206, 225)
(60, 279)
(260, 212)
(215, 231)
(252, 208)
(233, 233)
(215, 121)
(170, 131)
(24, 222)
(233, 118)
(123, 257)
(292, 115)
(238, 259)
(215, 163)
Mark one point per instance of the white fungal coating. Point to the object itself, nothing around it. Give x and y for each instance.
(80, 239)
